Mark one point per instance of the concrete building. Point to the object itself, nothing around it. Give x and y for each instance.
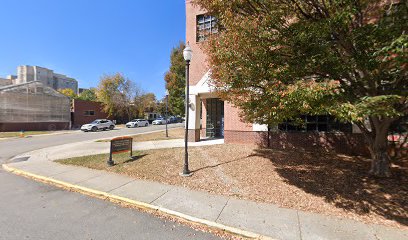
(81, 90)
(211, 117)
(56, 81)
(33, 106)
(9, 80)
(5, 82)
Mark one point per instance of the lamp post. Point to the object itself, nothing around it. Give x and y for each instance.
(167, 111)
(187, 54)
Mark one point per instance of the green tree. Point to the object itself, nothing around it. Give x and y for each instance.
(68, 92)
(88, 95)
(277, 59)
(175, 80)
(117, 94)
(145, 103)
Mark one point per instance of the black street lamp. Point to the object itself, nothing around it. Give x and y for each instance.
(187, 54)
(167, 111)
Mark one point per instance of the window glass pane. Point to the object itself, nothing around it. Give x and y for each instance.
(322, 118)
(206, 25)
(310, 118)
(322, 128)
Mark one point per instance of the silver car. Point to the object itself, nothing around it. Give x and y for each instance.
(98, 124)
(137, 123)
(159, 121)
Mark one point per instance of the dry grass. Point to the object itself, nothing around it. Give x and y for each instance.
(27, 133)
(310, 181)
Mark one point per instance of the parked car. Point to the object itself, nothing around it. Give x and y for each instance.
(171, 119)
(174, 119)
(98, 124)
(159, 121)
(137, 123)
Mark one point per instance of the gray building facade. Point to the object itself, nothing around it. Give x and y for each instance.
(33, 106)
(48, 77)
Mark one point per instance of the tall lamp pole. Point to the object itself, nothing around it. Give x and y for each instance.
(167, 111)
(187, 54)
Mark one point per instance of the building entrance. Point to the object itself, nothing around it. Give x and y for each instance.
(215, 118)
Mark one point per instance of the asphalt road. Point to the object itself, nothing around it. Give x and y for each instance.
(12, 147)
(33, 210)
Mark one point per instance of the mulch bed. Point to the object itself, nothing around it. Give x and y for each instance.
(317, 182)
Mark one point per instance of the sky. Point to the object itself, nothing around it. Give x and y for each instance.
(85, 39)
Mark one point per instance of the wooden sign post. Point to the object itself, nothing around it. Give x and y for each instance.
(120, 145)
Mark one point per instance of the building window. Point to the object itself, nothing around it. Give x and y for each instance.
(89, 113)
(316, 123)
(206, 25)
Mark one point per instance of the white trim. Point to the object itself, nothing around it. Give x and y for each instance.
(202, 86)
(204, 79)
(259, 127)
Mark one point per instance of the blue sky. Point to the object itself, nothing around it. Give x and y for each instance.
(87, 38)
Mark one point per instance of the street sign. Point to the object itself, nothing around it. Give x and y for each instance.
(120, 145)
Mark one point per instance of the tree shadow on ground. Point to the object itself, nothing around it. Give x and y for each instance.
(344, 181)
(218, 164)
(134, 158)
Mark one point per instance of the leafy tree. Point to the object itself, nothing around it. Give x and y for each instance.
(117, 93)
(161, 108)
(278, 59)
(145, 103)
(175, 80)
(88, 95)
(68, 92)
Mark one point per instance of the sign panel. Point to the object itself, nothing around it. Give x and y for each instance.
(120, 145)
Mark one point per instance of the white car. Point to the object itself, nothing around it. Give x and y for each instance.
(98, 124)
(137, 123)
(159, 121)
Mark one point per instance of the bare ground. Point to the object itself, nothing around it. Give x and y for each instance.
(317, 182)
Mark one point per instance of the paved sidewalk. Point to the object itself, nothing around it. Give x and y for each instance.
(240, 216)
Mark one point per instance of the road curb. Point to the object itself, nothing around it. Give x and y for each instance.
(36, 135)
(138, 204)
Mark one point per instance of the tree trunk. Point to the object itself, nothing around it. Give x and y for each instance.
(380, 165)
(378, 144)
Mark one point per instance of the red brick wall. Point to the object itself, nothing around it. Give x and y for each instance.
(78, 112)
(199, 68)
(232, 121)
(198, 65)
(346, 143)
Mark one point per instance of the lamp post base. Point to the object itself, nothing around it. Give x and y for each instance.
(186, 174)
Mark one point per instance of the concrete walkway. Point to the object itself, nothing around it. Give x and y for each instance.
(239, 216)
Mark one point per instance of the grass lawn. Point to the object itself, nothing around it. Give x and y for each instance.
(27, 133)
(311, 181)
(174, 133)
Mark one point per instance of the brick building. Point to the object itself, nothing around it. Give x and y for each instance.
(212, 117)
(83, 112)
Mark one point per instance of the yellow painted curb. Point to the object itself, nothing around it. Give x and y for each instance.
(139, 204)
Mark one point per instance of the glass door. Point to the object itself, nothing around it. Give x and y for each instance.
(215, 118)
